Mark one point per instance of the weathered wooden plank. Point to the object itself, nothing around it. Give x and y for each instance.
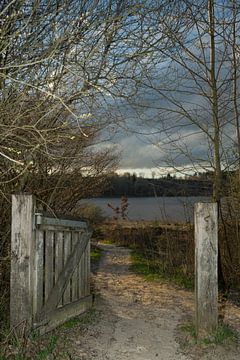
(50, 221)
(58, 255)
(22, 257)
(67, 252)
(41, 272)
(80, 276)
(88, 272)
(65, 276)
(75, 282)
(57, 228)
(48, 279)
(84, 273)
(206, 254)
(61, 315)
(38, 272)
(58, 258)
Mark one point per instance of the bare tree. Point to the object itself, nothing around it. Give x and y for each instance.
(62, 64)
(189, 95)
(194, 87)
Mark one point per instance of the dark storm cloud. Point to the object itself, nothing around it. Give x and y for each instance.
(151, 129)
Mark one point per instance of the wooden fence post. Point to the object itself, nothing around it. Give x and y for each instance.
(22, 257)
(206, 254)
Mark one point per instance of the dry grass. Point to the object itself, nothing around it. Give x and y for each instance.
(170, 248)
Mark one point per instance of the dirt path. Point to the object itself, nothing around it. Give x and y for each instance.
(138, 320)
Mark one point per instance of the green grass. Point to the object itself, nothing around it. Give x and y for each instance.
(153, 270)
(95, 253)
(223, 335)
(106, 242)
(86, 319)
(70, 323)
(190, 329)
(44, 353)
(48, 346)
(21, 348)
(144, 267)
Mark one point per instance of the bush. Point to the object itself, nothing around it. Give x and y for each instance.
(91, 213)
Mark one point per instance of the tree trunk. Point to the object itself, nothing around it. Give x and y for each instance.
(217, 185)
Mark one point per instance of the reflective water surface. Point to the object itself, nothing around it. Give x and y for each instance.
(173, 209)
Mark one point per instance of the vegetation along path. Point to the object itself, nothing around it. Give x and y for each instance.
(141, 320)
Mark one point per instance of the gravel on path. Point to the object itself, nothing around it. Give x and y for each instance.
(139, 320)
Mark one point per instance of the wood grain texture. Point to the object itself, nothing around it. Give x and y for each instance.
(74, 279)
(206, 274)
(38, 272)
(67, 251)
(61, 315)
(65, 276)
(58, 258)
(22, 252)
(45, 268)
(48, 281)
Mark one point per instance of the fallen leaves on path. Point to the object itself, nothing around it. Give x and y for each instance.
(139, 320)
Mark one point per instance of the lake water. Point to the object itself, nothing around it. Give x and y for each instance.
(172, 209)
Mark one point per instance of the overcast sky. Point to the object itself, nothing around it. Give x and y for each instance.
(169, 122)
(144, 148)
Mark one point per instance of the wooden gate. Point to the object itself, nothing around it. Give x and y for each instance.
(50, 267)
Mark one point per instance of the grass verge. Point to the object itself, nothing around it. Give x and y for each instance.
(26, 349)
(223, 335)
(153, 270)
(54, 345)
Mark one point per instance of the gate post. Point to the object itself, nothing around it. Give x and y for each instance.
(22, 257)
(206, 274)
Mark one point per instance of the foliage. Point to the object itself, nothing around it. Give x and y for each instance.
(223, 335)
(70, 323)
(52, 345)
(59, 62)
(24, 349)
(153, 270)
(90, 212)
(168, 250)
(132, 185)
(106, 241)
(47, 350)
(95, 253)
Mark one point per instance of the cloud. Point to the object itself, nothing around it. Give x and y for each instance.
(148, 153)
(159, 126)
(138, 152)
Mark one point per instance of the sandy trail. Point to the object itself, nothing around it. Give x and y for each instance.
(138, 319)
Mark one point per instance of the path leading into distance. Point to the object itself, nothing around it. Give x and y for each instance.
(139, 320)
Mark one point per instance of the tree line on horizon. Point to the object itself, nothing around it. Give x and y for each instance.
(138, 186)
(69, 68)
